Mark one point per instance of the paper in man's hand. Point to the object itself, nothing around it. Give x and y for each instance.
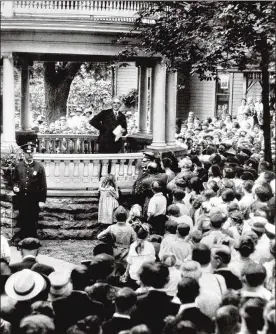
(118, 132)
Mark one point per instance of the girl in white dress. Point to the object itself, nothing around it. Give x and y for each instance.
(108, 199)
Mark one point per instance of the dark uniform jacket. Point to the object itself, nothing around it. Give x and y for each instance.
(117, 324)
(106, 122)
(31, 180)
(31, 263)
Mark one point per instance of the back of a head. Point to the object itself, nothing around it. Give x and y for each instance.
(171, 226)
(252, 313)
(217, 219)
(228, 195)
(80, 277)
(201, 254)
(156, 187)
(187, 290)
(140, 329)
(154, 275)
(264, 192)
(223, 252)
(270, 317)
(246, 246)
(101, 266)
(90, 324)
(37, 324)
(185, 327)
(125, 299)
(43, 307)
(227, 319)
(231, 297)
(229, 173)
(173, 210)
(183, 230)
(248, 185)
(178, 194)
(152, 168)
(255, 274)
(191, 269)
(120, 214)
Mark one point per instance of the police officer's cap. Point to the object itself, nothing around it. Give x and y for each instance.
(29, 243)
(150, 155)
(29, 147)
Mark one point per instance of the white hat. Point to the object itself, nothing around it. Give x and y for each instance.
(60, 285)
(24, 285)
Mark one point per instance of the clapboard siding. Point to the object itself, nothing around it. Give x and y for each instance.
(238, 93)
(202, 99)
(126, 79)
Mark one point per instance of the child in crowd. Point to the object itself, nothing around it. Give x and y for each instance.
(108, 199)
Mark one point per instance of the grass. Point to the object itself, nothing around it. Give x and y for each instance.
(73, 251)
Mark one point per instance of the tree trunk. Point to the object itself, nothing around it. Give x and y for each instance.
(265, 100)
(57, 88)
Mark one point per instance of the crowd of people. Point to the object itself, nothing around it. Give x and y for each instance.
(195, 252)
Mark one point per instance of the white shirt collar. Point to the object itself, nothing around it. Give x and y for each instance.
(186, 306)
(118, 315)
(29, 257)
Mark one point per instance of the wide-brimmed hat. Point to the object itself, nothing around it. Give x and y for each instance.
(231, 151)
(60, 285)
(258, 224)
(24, 285)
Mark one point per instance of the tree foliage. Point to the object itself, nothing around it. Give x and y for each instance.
(200, 37)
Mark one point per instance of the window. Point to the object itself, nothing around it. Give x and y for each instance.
(222, 95)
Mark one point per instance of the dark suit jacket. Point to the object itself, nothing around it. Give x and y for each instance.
(69, 310)
(105, 121)
(202, 323)
(117, 324)
(151, 310)
(31, 263)
(232, 281)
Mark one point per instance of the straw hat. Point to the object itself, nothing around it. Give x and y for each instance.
(24, 285)
(60, 285)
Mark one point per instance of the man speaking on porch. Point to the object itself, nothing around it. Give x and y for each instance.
(112, 126)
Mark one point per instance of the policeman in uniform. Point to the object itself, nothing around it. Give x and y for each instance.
(29, 184)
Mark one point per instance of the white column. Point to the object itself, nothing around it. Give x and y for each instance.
(8, 135)
(171, 101)
(143, 99)
(158, 104)
(25, 116)
(7, 9)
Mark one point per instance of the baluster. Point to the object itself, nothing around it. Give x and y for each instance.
(96, 170)
(76, 172)
(121, 170)
(113, 166)
(85, 168)
(66, 170)
(47, 144)
(57, 168)
(67, 145)
(89, 146)
(82, 145)
(39, 144)
(75, 141)
(129, 169)
(137, 170)
(60, 145)
(47, 168)
(104, 168)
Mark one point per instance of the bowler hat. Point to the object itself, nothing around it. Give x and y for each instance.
(24, 285)
(258, 224)
(29, 243)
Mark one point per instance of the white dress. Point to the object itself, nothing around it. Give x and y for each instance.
(108, 202)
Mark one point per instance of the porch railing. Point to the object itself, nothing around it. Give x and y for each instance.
(83, 171)
(84, 143)
(123, 9)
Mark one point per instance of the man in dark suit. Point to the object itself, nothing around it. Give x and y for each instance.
(106, 122)
(29, 184)
(155, 305)
(29, 248)
(125, 301)
(220, 258)
(188, 290)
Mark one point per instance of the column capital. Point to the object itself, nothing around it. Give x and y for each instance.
(6, 55)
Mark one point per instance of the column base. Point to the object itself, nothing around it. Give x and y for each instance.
(157, 146)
